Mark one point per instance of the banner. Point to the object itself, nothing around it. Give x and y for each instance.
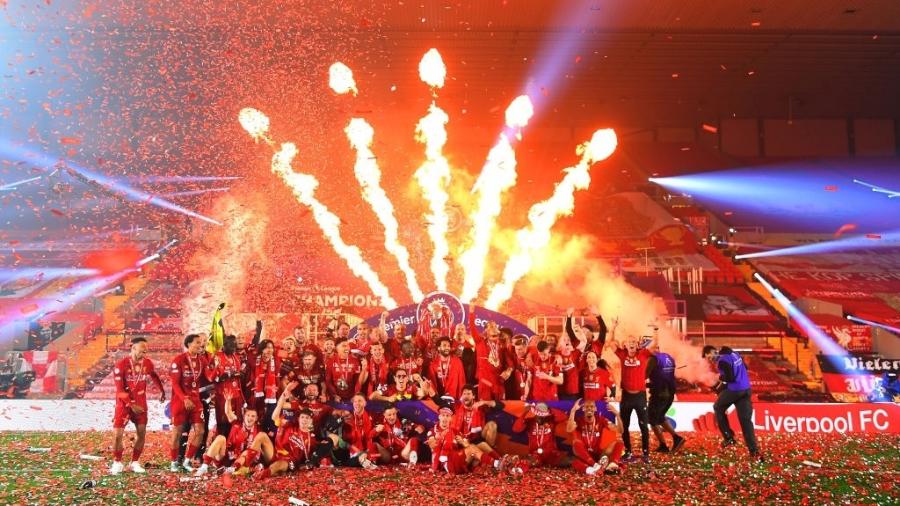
(43, 363)
(853, 378)
(82, 415)
(853, 338)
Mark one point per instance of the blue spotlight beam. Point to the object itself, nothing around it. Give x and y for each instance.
(194, 192)
(181, 179)
(870, 323)
(10, 186)
(885, 240)
(822, 340)
(7, 275)
(77, 292)
(107, 183)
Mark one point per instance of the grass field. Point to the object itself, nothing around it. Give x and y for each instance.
(854, 470)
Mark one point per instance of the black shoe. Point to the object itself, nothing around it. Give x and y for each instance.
(677, 444)
(627, 458)
(728, 442)
(662, 449)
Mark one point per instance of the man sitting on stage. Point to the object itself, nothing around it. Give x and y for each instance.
(392, 442)
(596, 445)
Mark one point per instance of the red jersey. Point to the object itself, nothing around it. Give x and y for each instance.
(468, 422)
(448, 375)
(446, 454)
(569, 368)
(342, 377)
(226, 373)
(634, 369)
(239, 439)
(543, 389)
(320, 411)
(393, 438)
(187, 372)
(410, 392)
(541, 436)
(131, 381)
(314, 376)
(289, 362)
(379, 375)
(490, 356)
(590, 433)
(594, 384)
(297, 444)
(412, 365)
(357, 429)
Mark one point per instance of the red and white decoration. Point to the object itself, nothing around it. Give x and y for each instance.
(44, 365)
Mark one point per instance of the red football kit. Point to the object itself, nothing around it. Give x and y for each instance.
(541, 437)
(591, 439)
(295, 447)
(186, 374)
(594, 384)
(379, 375)
(357, 429)
(448, 375)
(544, 389)
(446, 455)
(131, 390)
(412, 365)
(240, 440)
(393, 438)
(569, 368)
(634, 369)
(468, 422)
(226, 372)
(490, 362)
(342, 377)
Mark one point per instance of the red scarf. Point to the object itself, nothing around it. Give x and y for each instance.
(266, 380)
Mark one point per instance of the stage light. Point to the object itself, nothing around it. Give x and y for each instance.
(820, 338)
(874, 324)
(89, 177)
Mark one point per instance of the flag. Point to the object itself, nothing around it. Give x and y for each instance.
(44, 365)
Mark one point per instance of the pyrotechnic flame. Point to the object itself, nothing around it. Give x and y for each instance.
(497, 176)
(340, 79)
(433, 176)
(432, 70)
(368, 174)
(255, 123)
(304, 187)
(543, 215)
(519, 112)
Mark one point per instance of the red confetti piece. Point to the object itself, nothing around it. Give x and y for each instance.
(846, 227)
(831, 188)
(29, 308)
(70, 140)
(873, 236)
(710, 128)
(674, 76)
(578, 59)
(755, 24)
(57, 212)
